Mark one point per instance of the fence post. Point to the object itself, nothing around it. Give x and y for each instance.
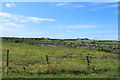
(47, 59)
(88, 61)
(7, 61)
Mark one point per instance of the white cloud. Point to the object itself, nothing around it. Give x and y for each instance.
(10, 26)
(12, 29)
(61, 0)
(80, 26)
(33, 33)
(62, 4)
(79, 6)
(68, 4)
(14, 25)
(11, 4)
(68, 30)
(112, 6)
(5, 14)
(22, 19)
(104, 7)
(36, 19)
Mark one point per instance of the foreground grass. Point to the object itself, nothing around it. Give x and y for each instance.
(29, 61)
(110, 74)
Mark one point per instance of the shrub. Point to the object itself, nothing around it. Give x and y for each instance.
(103, 49)
(16, 41)
(82, 42)
(92, 42)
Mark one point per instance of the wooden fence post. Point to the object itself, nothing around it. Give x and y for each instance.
(88, 61)
(7, 61)
(47, 59)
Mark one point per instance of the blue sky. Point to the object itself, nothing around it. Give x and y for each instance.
(94, 20)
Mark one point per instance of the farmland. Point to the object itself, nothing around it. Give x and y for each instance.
(29, 61)
(102, 42)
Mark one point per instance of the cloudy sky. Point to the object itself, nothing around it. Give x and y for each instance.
(95, 20)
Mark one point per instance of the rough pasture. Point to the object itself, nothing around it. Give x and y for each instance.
(29, 61)
(110, 48)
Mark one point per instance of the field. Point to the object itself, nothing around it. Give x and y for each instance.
(69, 41)
(29, 61)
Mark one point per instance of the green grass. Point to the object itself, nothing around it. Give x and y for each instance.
(29, 61)
(85, 42)
(110, 74)
(96, 42)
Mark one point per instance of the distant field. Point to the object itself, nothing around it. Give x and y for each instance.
(96, 42)
(29, 61)
(85, 42)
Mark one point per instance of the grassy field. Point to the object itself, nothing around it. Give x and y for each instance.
(29, 61)
(85, 42)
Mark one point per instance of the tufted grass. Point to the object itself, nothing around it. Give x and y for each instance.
(29, 61)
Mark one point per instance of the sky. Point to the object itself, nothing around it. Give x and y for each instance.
(62, 20)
